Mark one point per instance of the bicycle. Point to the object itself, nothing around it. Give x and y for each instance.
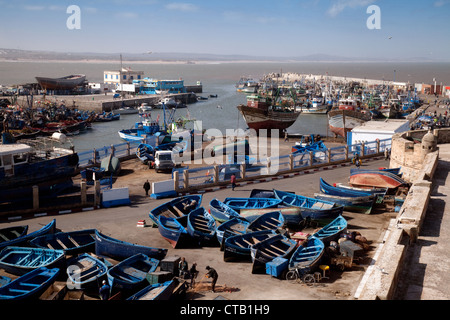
(300, 275)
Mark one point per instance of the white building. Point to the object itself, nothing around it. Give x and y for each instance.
(373, 130)
(126, 76)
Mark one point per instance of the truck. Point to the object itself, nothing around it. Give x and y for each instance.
(163, 160)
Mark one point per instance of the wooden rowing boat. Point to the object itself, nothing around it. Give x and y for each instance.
(332, 231)
(268, 221)
(176, 208)
(307, 255)
(71, 243)
(23, 239)
(201, 225)
(238, 247)
(86, 272)
(220, 211)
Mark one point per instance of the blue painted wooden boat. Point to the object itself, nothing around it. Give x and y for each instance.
(173, 230)
(251, 203)
(265, 251)
(332, 231)
(268, 221)
(232, 227)
(29, 286)
(12, 233)
(326, 188)
(120, 250)
(308, 254)
(238, 247)
(352, 204)
(23, 240)
(201, 225)
(71, 243)
(377, 192)
(86, 272)
(321, 211)
(130, 274)
(158, 291)
(395, 171)
(145, 153)
(176, 208)
(20, 260)
(292, 215)
(220, 211)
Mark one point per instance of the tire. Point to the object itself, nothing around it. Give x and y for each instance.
(309, 279)
(291, 276)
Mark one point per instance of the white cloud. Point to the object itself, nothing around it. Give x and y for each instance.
(441, 3)
(34, 8)
(127, 15)
(341, 5)
(179, 6)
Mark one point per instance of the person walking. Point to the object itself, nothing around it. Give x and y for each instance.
(193, 272)
(233, 181)
(105, 290)
(212, 273)
(146, 187)
(183, 267)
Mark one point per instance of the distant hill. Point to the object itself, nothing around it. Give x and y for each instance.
(16, 54)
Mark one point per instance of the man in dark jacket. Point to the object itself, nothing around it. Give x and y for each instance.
(146, 187)
(212, 273)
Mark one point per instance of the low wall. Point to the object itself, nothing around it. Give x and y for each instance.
(380, 281)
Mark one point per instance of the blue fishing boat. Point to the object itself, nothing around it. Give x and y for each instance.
(71, 243)
(34, 165)
(292, 215)
(378, 193)
(332, 231)
(176, 208)
(265, 251)
(229, 228)
(20, 260)
(12, 233)
(145, 153)
(238, 247)
(173, 230)
(251, 203)
(268, 221)
(147, 129)
(157, 291)
(361, 204)
(308, 254)
(312, 209)
(120, 250)
(201, 225)
(130, 275)
(86, 272)
(23, 239)
(29, 286)
(326, 188)
(220, 211)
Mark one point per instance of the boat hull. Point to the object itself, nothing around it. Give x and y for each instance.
(238, 248)
(86, 272)
(30, 286)
(64, 83)
(173, 230)
(258, 119)
(376, 179)
(129, 275)
(20, 260)
(221, 212)
(307, 255)
(332, 231)
(71, 243)
(292, 215)
(265, 251)
(23, 240)
(352, 204)
(120, 250)
(201, 225)
(343, 121)
(176, 208)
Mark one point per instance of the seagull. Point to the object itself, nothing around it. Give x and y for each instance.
(390, 38)
(219, 107)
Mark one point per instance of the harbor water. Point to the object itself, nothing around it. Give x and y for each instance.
(217, 79)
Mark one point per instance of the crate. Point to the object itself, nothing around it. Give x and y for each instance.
(276, 267)
(159, 277)
(170, 264)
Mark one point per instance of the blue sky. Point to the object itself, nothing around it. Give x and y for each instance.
(415, 28)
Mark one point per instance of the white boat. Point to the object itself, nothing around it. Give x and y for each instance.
(144, 108)
(126, 110)
(317, 106)
(169, 102)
